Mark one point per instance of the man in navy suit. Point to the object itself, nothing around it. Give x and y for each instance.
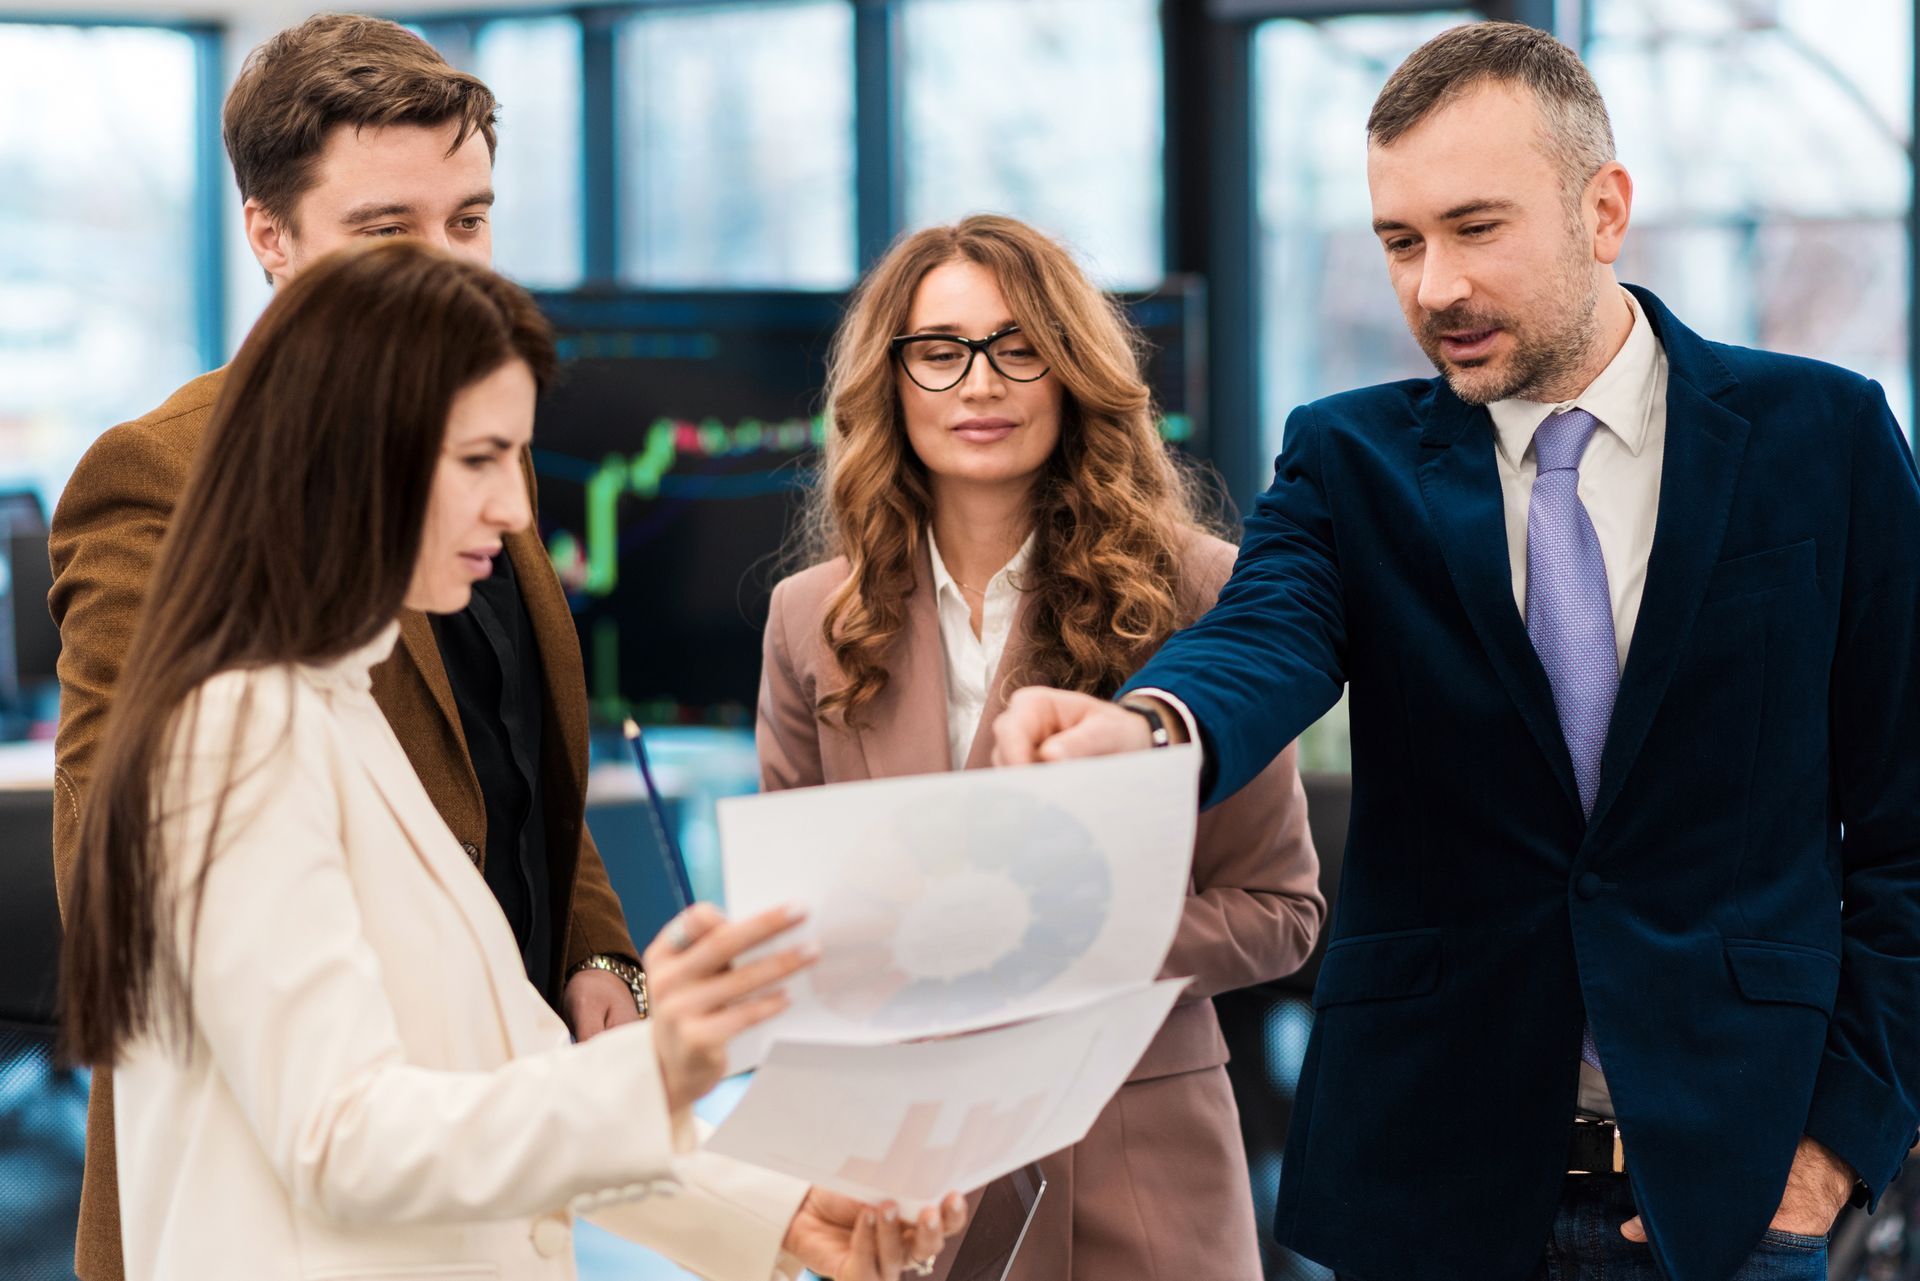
(1624, 977)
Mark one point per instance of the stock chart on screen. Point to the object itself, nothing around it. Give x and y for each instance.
(671, 457)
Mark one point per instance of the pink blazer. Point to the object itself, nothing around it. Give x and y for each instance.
(1253, 907)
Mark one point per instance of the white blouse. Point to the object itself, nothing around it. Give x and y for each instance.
(973, 660)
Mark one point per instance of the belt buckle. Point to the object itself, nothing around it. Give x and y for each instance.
(1617, 1159)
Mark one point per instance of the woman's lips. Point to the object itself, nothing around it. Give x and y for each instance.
(1469, 345)
(982, 431)
(479, 564)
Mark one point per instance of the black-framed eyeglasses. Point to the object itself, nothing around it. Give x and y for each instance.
(941, 362)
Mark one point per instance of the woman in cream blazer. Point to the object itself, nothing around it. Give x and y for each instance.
(997, 506)
(328, 1061)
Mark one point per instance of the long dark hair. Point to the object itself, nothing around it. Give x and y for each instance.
(294, 542)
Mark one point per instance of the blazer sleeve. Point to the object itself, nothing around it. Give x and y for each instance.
(1268, 659)
(598, 926)
(1864, 1104)
(288, 1000)
(103, 542)
(1256, 906)
(700, 1228)
(786, 731)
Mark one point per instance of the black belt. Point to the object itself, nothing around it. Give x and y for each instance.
(1595, 1148)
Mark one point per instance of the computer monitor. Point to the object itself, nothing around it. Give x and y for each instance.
(670, 457)
(29, 642)
(36, 641)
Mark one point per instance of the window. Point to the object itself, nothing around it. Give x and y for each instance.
(1772, 179)
(100, 293)
(533, 67)
(1328, 318)
(736, 146)
(1048, 110)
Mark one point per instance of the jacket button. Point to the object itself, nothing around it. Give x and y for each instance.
(471, 850)
(1588, 886)
(551, 1236)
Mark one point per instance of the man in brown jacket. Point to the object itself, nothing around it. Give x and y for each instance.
(342, 128)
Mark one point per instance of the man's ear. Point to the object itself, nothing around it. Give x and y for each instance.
(1610, 197)
(271, 240)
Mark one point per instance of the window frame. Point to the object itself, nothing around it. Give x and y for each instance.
(1211, 224)
(206, 233)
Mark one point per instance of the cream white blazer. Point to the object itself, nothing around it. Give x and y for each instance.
(371, 1088)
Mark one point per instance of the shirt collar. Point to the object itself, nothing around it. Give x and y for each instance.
(1621, 397)
(945, 583)
(354, 669)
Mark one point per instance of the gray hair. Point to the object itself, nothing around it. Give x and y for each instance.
(1577, 134)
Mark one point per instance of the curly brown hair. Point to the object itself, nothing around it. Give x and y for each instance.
(1112, 510)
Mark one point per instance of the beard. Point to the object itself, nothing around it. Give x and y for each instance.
(1548, 352)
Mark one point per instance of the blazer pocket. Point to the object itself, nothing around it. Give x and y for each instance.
(1378, 967)
(1761, 572)
(1784, 973)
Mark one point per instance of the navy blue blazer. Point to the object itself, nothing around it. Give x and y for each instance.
(1740, 919)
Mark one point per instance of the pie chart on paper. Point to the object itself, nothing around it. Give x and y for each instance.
(984, 903)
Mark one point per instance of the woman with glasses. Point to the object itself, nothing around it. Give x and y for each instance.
(326, 1055)
(997, 509)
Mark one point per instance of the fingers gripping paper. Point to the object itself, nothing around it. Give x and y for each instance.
(910, 1122)
(1045, 896)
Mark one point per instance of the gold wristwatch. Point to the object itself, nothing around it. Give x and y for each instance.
(626, 971)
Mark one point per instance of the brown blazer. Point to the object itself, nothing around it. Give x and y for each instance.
(104, 542)
(1162, 1188)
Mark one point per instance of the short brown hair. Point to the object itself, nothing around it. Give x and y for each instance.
(1578, 135)
(338, 69)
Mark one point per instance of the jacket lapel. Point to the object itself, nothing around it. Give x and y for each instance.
(904, 730)
(1019, 644)
(1705, 445)
(440, 853)
(561, 667)
(553, 628)
(1460, 483)
(418, 647)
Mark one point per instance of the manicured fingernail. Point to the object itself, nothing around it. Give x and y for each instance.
(891, 1213)
(796, 912)
(808, 951)
(866, 1218)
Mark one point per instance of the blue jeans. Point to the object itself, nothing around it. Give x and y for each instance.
(1586, 1244)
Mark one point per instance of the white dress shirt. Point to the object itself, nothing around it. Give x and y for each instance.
(1620, 488)
(972, 660)
(1619, 473)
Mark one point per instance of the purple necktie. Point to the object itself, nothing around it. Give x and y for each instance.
(1569, 612)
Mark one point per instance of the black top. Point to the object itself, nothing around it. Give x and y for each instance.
(493, 664)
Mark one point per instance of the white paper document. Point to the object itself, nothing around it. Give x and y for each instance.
(949, 902)
(911, 1122)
